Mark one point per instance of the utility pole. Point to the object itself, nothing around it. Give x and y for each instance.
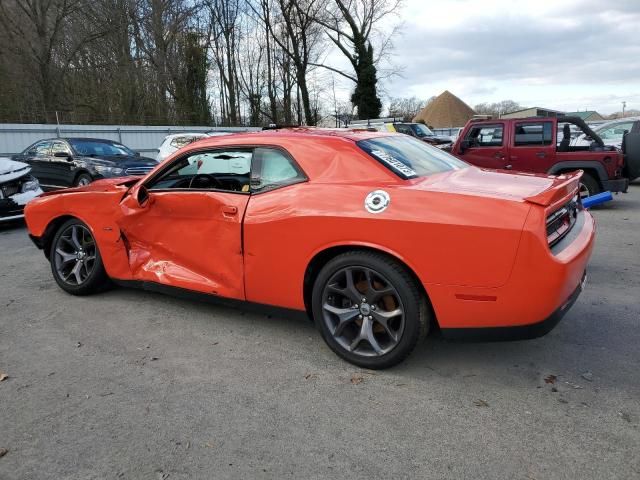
(624, 105)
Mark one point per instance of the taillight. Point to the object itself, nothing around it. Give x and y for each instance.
(560, 222)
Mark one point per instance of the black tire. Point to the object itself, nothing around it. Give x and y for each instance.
(391, 275)
(589, 186)
(95, 277)
(82, 179)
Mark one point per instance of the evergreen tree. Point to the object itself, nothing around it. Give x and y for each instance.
(365, 96)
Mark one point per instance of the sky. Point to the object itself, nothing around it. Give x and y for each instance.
(560, 54)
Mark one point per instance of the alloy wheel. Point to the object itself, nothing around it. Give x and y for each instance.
(363, 311)
(584, 191)
(75, 255)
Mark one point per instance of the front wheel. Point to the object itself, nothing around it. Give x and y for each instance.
(588, 186)
(369, 309)
(75, 260)
(82, 180)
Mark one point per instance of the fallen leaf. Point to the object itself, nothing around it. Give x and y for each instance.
(480, 403)
(357, 379)
(3, 376)
(209, 445)
(550, 379)
(78, 345)
(588, 376)
(154, 358)
(3, 452)
(573, 385)
(309, 375)
(625, 416)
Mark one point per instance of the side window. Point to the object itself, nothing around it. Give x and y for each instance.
(272, 168)
(60, 147)
(40, 149)
(179, 142)
(485, 136)
(226, 170)
(529, 134)
(615, 132)
(403, 129)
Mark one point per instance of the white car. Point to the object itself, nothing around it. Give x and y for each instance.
(17, 187)
(175, 142)
(611, 132)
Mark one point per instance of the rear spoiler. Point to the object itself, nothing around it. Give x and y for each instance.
(563, 186)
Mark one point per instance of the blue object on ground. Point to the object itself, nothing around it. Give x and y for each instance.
(597, 199)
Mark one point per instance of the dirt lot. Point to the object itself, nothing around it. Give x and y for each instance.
(135, 385)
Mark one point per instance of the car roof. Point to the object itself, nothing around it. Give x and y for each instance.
(617, 120)
(305, 132)
(86, 139)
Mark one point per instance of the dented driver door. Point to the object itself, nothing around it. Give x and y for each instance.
(187, 237)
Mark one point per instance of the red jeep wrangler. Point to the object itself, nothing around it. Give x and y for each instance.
(543, 145)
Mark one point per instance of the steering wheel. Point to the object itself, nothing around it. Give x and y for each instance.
(210, 178)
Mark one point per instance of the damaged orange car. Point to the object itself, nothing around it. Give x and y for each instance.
(379, 237)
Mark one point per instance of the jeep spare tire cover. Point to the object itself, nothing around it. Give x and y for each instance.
(632, 155)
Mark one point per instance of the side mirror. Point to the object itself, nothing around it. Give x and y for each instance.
(142, 196)
(464, 145)
(137, 154)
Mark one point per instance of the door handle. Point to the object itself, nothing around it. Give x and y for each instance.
(499, 155)
(229, 210)
(541, 154)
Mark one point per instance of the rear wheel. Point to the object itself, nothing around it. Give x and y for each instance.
(369, 309)
(75, 260)
(588, 186)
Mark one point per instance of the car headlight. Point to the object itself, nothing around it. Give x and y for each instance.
(30, 185)
(109, 171)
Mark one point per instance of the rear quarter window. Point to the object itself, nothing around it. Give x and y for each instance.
(409, 157)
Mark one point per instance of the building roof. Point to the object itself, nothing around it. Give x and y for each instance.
(586, 115)
(445, 111)
(532, 108)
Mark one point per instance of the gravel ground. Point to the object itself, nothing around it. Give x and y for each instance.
(135, 385)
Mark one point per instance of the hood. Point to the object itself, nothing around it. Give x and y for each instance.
(534, 188)
(10, 169)
(102, 185)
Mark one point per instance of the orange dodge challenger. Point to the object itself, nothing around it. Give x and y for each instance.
(378, 237)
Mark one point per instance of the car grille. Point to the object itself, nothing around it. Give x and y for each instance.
(138, 170)
(560, 222)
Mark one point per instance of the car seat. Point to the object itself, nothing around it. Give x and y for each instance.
(566, 138)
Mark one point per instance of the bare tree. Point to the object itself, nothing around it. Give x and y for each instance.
(351, 26)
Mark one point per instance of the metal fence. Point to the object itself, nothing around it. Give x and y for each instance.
(15, 137)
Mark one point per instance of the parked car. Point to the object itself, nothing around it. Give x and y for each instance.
(72, 162)
(367, 232)
(530, 145)
(17, 187)
(175, 142)
(421, 132)
(611, 132)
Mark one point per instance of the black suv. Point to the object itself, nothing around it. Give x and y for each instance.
(66, 162)
(421, 132)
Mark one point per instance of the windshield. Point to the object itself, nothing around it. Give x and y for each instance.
(421, 130)
(98, 148)
(408, 157)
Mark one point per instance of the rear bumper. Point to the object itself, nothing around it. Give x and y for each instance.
(543, 281)
(618, 185)
(520, 332)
